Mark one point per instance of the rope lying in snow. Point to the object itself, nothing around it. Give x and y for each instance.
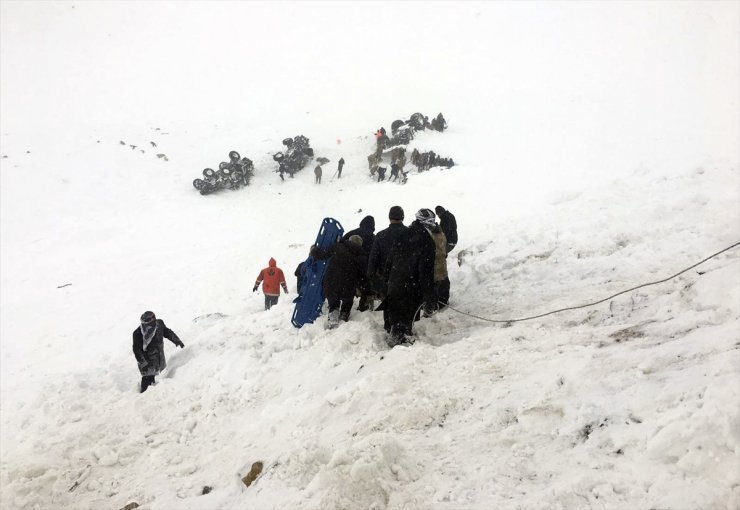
(601, 300)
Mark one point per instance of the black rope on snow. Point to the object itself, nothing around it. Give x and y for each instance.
(601, 300)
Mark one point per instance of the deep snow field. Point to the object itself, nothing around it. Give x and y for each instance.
(600, 154)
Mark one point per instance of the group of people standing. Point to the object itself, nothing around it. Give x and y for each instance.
(404, 267)
(398, 162)
(426, 160)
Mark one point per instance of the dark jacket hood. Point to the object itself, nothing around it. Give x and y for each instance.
(368, 223)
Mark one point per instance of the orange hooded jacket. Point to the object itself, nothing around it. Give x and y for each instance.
(272, 278)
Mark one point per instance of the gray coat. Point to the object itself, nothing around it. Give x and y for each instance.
(151, 360)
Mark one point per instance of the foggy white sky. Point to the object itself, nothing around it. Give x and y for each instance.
(653, 76)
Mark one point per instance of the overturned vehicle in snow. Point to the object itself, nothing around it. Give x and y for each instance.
(403, 131)
(233, 174)
(297, 154)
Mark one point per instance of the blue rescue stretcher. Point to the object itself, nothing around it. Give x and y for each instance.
(311, 294)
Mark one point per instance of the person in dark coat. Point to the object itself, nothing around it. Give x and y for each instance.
(394, 171)
(409, 272)
(424, 161)
(439, 123)
(382, 246)
(340, 165)
(299, 277)
(149, 347)
(345, 271)
(449, 226)
(366, 231)
(381, 173)
(416, 158)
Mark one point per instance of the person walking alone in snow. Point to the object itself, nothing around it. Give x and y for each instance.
(317, 172)
(340, 165)
(272, 279)
(149, 347)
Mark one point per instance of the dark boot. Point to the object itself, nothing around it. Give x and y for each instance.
(345, 309)
(399, 335)
(146, 381)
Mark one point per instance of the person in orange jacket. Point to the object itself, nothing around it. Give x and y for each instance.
(272, 279)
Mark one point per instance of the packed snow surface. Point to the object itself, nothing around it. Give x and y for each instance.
(596, 149)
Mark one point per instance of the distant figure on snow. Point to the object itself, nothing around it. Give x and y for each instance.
(340, 165)
(439, 123)
(272, 279)
(381, 173)
(149, 347)
(372, 163)
(317, 172)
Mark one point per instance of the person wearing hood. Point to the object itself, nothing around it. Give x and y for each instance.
(409, 273)
(345, 272)
(448, 223)
(272, 278)
(366, 231)
(149, 347)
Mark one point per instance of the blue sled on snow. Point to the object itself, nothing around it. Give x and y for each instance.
(311, 294)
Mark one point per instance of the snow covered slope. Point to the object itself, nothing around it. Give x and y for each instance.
(573, 182)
